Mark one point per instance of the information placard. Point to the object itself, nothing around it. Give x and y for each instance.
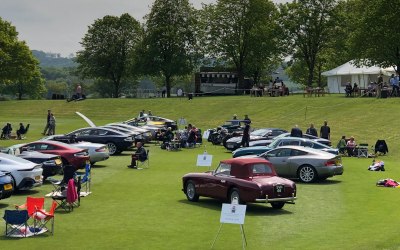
(204, 160)
(233, 213)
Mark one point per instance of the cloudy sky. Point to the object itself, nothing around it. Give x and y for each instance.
(58, 25)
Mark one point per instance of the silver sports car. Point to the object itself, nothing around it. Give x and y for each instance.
(306, 164)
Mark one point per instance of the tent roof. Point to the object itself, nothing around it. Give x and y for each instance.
(350, 69)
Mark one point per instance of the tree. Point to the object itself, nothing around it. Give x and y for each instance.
(243, 33)
(309, 26)
(169, 46)
(19, 70)
(108, 50)
(375, 40)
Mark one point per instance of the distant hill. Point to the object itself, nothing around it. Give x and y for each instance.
(53, 60)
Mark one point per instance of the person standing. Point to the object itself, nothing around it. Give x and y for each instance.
(47, 123)
(312, 131)
(325, 131)
(20, 131)
(78, 91)
(296, 132)
(247, 119)
(246, 135)
(52, 125)
(394, 81)
(379, 86)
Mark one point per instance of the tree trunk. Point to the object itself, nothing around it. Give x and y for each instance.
(310, 76)
(116, 89)
(168, 85)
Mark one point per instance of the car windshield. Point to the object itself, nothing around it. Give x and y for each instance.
(260, 132)
(261, 169)
(274, 143)
(224, 169)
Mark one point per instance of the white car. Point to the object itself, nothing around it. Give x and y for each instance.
(25, 174)
(97, 151)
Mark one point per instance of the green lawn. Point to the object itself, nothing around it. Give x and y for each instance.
(146, 209)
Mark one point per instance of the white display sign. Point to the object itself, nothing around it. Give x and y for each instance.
(233, 213)
(204, 160)
(206, 134)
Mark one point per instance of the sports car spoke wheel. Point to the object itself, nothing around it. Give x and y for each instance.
(191, 194)
(112, 148)
(307, 174)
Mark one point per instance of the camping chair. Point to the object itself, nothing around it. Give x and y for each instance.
(68, 196)
(86, 178)
(42, 217)
(21, 134)
(16, 223)
(145, 163)
(32, 204)
(362, 150)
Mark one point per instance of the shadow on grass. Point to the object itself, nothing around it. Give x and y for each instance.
(25, 192)
(3, 206)
(252, 208)
(94, 166)
(320, 183)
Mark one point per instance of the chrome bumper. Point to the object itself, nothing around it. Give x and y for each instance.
(286, 199)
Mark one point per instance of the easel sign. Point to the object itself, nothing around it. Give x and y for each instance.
(204, 160)
(206, 134)
(233, 214)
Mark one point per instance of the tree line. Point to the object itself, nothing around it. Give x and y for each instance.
(252, 36)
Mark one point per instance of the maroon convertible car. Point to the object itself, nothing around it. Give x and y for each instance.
(247, 179)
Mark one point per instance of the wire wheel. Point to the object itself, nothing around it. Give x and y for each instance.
(191, 194)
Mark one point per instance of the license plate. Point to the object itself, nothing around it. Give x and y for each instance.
(58, 161)
(7, 186)
(38, 178)
(279, 189)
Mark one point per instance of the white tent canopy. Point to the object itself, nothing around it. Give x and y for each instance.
(349, 72)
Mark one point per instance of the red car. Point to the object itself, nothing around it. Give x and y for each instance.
(70, 155)
(247, 179)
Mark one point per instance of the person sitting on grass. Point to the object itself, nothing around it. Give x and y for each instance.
(20, 131)
(351, 146)
(139, 155)
(342, 145)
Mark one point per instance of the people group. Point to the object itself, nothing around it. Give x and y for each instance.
(7, 129)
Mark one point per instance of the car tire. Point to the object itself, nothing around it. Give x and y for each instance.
(190, 191)
(277, 205)
(307, 174)
(234, 193)
(112, 148)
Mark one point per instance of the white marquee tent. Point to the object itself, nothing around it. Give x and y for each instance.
(348, 72)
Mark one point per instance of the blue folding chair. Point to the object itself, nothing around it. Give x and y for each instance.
(16, 223)
(86, 179)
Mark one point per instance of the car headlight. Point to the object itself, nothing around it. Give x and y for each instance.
(130, 139)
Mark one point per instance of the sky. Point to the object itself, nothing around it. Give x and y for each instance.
(57, 26)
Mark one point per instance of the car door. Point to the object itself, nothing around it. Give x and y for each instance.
(216, 185)
(82, 134)
(280, 160)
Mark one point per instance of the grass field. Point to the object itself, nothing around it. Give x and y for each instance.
(146, 209)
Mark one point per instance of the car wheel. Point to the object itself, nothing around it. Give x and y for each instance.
(112, 148)
(190, 191)
(234, 193)
(277, 205)
(307, 174)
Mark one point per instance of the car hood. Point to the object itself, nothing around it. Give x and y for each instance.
(255, 148)
(270, 180)
(12, 163)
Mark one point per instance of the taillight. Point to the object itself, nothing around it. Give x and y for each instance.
(84, 153)
(330, 163)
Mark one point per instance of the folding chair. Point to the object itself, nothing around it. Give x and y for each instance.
(145, 163)
(16, 223)
(86, 179)
(362, 150)
(42, 217)
(32, 204)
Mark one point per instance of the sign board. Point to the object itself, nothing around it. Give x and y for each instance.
(233, 213)
(204, 160)
(206, 134)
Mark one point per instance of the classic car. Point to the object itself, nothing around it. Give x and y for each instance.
(306, 164)
(266, 142)
(70, 155)
(97, 151)
(247, 179)
(116, 141)
(6, 185)
(25, 174)
(256, 135)
(152, 120)
(284, 141)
